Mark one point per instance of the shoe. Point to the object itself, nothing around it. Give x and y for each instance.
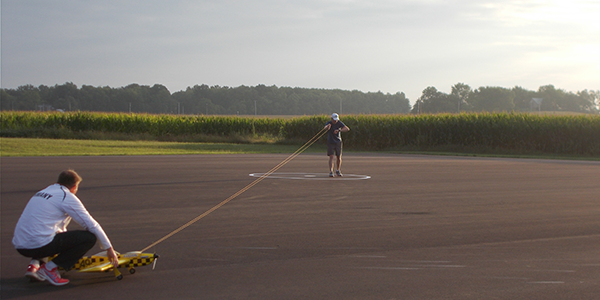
(32, 273)
(330, 174)
(52, 276)
(338, 173)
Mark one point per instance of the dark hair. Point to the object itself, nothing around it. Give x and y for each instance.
(69, 178)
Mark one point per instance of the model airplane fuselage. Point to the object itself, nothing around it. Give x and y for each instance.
(101, 263)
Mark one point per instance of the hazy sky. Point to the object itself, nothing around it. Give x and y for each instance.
(388, 46)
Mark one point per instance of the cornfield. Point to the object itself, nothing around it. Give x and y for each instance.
(524, 133)
(504, 132)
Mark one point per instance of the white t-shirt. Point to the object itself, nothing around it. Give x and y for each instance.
(49, 212)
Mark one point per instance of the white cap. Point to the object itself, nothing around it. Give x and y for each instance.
(335, 116)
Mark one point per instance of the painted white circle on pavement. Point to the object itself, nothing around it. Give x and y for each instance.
(310, 176)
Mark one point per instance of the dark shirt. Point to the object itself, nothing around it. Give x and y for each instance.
(331, 137)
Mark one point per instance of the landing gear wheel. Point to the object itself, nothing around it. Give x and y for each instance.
(119, 277)
(131, 271)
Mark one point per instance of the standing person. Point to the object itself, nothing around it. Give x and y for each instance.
(42, 230)
(334, 143)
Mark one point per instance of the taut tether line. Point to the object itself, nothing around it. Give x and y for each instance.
(255, 182)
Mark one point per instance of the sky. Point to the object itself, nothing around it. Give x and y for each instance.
(387, 45)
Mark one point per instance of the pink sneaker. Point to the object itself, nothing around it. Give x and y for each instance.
(32, 273)
(52, 276)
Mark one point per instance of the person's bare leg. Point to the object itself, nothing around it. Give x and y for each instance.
(331, 163)
(338, 172)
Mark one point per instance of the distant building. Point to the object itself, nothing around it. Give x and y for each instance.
(45, 107)
(536, 103)
(48, 107)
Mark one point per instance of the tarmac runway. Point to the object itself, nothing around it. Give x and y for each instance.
(395, 227)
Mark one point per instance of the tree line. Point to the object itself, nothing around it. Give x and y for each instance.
(498, 99)
(273, 100)
(203, 100)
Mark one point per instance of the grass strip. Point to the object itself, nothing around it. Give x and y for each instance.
(63, 147)
(67, 147)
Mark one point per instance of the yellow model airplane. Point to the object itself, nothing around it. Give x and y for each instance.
(101, 263)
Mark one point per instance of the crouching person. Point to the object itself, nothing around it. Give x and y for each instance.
(41, 231)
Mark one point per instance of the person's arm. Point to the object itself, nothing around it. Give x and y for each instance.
(75, 209)
(112, 256)
(343, 129)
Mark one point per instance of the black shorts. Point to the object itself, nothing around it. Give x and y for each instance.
(334, 148)
(69, 245)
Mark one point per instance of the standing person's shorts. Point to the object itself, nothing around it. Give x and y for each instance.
(334, 148)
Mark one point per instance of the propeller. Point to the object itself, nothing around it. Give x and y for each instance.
(155, 260)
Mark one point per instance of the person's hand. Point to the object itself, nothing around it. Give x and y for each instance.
(112, 256)
(327, 126)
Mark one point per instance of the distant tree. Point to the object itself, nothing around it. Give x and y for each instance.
(493, 99)
(159, 99)
(523, 98)
(130, 99)
(590, 101)
(461, 93)
(27, 98)
(560, 100)
(552, 98)
(65, 97)
(8, 101)
(95, 98)
(434, 101)
(396, 104)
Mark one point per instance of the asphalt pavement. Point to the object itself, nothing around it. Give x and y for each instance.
(395, 227)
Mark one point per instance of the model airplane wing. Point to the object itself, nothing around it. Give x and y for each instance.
(104, 266)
